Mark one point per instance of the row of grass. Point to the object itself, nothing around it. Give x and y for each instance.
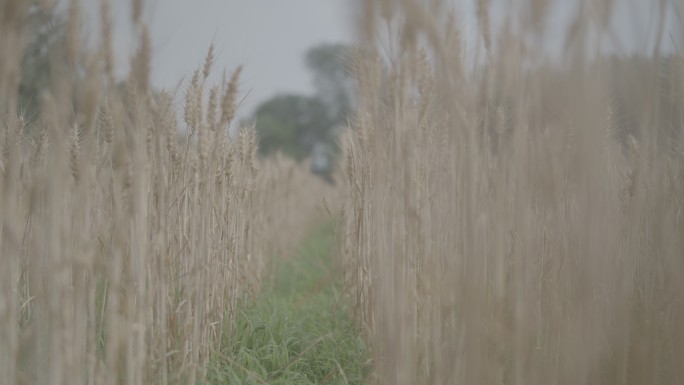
(297, 331)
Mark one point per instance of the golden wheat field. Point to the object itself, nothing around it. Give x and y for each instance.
(507, 210)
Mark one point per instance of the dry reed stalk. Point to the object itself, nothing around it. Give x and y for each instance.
(124, 247)
(487, 229)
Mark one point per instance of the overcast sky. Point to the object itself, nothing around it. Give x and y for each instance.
(267, 37)
(270, 37)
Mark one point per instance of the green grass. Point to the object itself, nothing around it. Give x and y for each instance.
(297, 331)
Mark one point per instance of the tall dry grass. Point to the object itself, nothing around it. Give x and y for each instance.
(124, 244)
(516, 221)
(295, 201)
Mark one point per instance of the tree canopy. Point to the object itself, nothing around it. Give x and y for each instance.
(291, 123)
(329, 64)
(46, 33)
(296, 124)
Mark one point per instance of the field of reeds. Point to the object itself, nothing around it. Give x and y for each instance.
(517, 220)
(128, 236)
(504, 215)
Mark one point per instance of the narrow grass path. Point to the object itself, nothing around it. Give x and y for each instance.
(296, 332)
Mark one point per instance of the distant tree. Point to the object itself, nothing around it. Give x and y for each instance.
(291, 124)
(46, 34)
(303, 126)
(646, 75)
(329, 64)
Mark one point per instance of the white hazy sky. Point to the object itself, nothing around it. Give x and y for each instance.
(267, 37)
(270, 37)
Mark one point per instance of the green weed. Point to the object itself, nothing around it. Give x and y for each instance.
(297, 332)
